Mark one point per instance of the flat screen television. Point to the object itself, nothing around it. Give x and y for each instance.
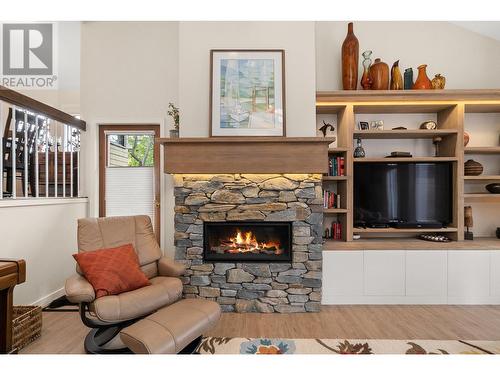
(404, 195)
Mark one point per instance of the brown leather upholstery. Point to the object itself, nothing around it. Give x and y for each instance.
(78, 289)
(163, 291)
(172, 328)
(166, 288)
(107, 232)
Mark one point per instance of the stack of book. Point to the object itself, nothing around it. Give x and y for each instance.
(334, 232)
(331, 199)
(336, 166)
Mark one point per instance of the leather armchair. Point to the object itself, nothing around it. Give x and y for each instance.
(109, 314)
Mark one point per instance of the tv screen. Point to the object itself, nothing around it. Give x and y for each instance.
(404, 194)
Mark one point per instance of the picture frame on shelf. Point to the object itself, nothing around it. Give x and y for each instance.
(377, 125)
(247, 93)
(363, 125)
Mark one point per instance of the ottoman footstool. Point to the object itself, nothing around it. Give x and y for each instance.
(172, 328)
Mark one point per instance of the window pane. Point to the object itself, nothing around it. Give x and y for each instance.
(131, 150)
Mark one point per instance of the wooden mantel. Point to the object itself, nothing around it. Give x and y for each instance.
(246, 155)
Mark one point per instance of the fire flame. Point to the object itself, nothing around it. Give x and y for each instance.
(247, 242)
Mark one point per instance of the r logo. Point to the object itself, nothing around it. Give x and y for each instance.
(27, 49)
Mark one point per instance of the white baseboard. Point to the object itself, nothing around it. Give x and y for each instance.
(45, 301)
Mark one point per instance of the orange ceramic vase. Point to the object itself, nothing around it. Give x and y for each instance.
(423, 82)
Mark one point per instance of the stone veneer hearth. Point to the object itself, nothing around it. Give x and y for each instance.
(245, 287)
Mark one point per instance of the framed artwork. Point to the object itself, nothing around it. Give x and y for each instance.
(247, 93)
(364, 125)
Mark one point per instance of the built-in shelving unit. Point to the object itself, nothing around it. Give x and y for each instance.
(482, 197)
(449, 108)
(482, 178)
(335, 211)
(406, 160)
(482, 150)
(403, 134)
(401, 231)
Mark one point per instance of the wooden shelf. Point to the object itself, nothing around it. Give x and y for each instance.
(335, 178)
(327, 211)
(403, 134)
(405, 160)
(482, 150)
(337, 150)
(246, 154)
(482, 178)
(480, 243)
(478, 97)
(482, 197)
(402, 231)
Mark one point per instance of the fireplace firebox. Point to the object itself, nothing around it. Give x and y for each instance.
(240, 241)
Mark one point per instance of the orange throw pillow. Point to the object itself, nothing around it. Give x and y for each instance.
(112, 271)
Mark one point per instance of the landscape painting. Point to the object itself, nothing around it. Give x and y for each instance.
(247, 93)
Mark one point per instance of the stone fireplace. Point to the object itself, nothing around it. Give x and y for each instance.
(251, 242)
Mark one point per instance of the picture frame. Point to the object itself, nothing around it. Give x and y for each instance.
(363, 125)
(247, 93)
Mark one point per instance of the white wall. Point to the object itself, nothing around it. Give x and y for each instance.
(196, 39)
(465, 58)
(67, 55)
(128, 75)
(44, 236)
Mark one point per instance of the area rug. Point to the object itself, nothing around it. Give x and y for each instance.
(239, 345)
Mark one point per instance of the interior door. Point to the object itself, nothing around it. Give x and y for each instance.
(129, 172)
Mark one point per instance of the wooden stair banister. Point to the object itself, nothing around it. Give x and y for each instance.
(16, 98)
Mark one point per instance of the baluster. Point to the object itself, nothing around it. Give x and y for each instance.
(1, 149)
(25, 150)
(13, 153)
(55, 159)
(37, 166)
(47, 121)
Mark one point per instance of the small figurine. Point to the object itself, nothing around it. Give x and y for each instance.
(325, 128)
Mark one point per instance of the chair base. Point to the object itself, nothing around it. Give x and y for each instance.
(192, 346)
(97, 338)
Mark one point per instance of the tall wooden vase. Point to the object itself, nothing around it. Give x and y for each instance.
(350, 57)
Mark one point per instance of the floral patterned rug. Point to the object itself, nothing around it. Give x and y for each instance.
(239, 345)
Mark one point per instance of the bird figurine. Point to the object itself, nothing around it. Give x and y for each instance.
(325, 128)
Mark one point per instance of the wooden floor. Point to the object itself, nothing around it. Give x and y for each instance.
(63, 332)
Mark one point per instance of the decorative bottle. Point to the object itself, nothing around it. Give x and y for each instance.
(366, 81)
(408, 84)
(359, 151)
(350, 56)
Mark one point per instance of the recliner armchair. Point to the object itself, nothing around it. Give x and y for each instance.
(109, 314)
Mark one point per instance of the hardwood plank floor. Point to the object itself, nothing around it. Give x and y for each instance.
(63, 332)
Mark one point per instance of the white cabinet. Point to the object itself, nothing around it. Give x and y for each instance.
(495, 274)
(342, 275)
(411, 277)
(384, 273)
(468, 276)
(426, 273)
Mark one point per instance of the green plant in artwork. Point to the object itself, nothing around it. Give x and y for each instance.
(173, 112)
